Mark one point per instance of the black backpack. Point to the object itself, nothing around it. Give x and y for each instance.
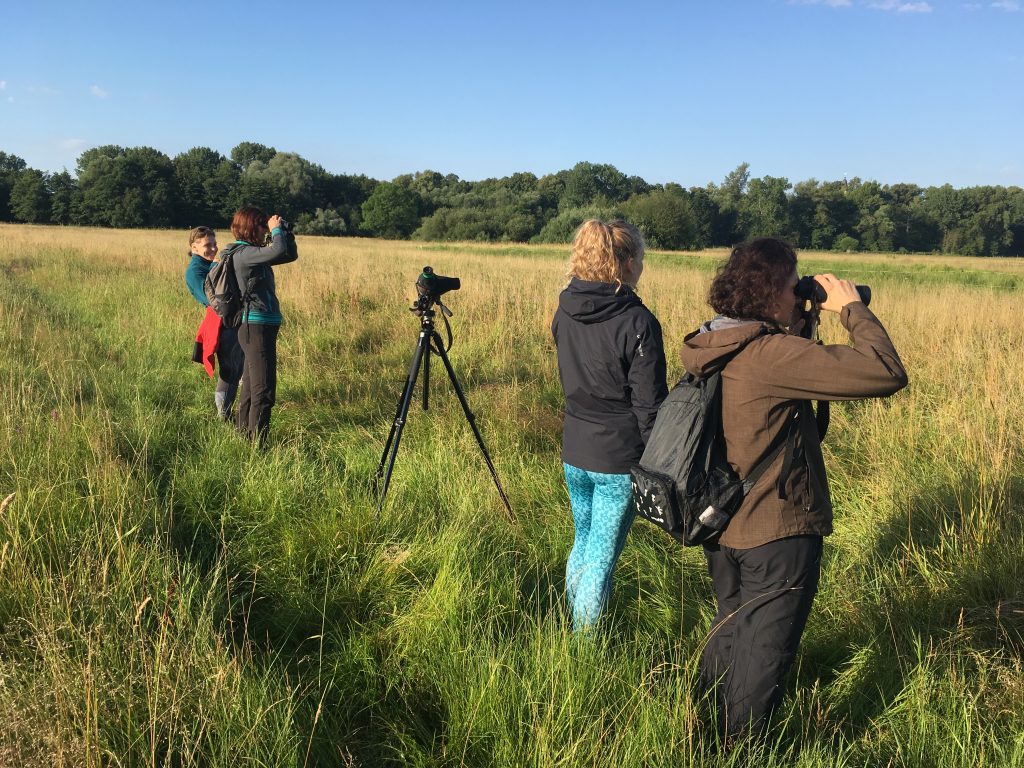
(222, 291)
(684, 484)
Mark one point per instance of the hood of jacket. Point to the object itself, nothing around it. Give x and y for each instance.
(231, 248)
(592, 302)
(711, 346)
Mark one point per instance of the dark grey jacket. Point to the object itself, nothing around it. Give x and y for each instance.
(611, 361)
(253, 263)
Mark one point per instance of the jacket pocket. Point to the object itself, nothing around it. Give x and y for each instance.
(799, 495)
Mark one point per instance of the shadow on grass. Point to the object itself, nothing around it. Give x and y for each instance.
(944, 573)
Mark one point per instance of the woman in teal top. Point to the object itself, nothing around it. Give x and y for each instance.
(253, 257)
(203, 249)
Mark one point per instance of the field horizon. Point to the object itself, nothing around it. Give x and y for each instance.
(171, 596)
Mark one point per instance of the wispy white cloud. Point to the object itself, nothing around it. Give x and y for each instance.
(3, 85)
(973, 6)
(98, 92)
(901, 7)
(72, 145)
(1006, 5)
(830, 3)
(43, 90)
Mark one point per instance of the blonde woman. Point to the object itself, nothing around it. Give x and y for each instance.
(612, 366)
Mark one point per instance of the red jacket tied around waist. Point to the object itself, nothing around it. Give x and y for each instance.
(206, 341)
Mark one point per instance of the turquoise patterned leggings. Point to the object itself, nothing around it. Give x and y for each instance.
(602, 514)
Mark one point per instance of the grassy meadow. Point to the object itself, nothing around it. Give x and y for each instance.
(171, 597)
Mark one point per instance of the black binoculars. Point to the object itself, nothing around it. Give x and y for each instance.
(811, 290)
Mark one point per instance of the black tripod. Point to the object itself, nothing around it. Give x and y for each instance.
(429, 341)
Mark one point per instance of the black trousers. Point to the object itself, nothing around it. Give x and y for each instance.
(259, 380)
(764, 596)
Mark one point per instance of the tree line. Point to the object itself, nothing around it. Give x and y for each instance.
(142, 187)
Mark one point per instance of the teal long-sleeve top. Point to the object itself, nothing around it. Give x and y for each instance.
(195, 275)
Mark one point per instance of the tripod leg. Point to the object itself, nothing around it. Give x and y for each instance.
(426, 376)
(439, 351)
(395, 437)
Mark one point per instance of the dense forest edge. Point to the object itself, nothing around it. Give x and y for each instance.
(142, 187)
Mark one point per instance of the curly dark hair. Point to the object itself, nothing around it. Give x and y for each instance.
(747, 284)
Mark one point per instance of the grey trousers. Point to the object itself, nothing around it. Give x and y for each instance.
(230, 363)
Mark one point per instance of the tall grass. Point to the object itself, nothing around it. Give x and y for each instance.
(168, 596)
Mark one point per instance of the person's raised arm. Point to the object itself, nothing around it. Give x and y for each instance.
(797, 368)
(281, 249)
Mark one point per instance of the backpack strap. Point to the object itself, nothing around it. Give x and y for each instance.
(785, 439)
(822, 418)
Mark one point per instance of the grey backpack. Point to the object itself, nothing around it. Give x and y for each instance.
(684, 484)
(222, 291)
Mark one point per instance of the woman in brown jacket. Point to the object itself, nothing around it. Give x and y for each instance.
(765, 566)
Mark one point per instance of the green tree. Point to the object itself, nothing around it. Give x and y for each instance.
(435, 190)
(914, 229)
(845, 244)
(764, 210)
(221, 191)
(946, 205)
(460, 224)
(986, 229)
(287, 184)
(1016, 215)
(728, 198)
(131, 187)
(30, 197)
(819, 213)
(665, 218)
(202, 197)
(392, 211)
(551, 188)
(65, 198)
(346, 194)
(802, 207)
(247, 152)
(325, 221)
(874, 228)
(705, 213)
(562, 228)
(11, 167)
(521, 184)
(593, 184)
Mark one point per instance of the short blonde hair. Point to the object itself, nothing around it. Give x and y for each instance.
(200, 233)
(601, 250)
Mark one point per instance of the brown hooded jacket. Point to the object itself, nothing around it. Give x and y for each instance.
(769, 377)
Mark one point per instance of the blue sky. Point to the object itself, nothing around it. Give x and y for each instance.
(926, 92)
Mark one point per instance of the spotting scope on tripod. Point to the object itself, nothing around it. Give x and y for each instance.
(429, 289)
